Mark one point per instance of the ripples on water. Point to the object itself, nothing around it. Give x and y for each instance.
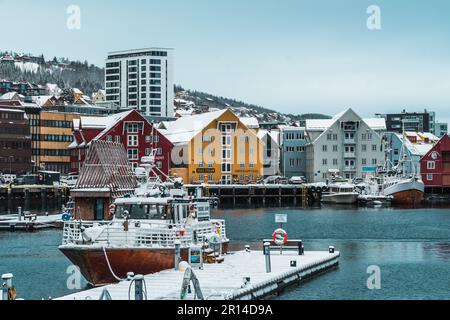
(412, 248)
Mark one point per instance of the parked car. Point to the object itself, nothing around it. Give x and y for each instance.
(69, 181)
(297, 180)
(275, 180)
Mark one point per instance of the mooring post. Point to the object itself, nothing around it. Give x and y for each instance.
(7, 288)
(44, 199)
(27, 199)
(9, 196)
(267, 254)
(19, 213)
(177, 254)
(301, 249)
(139, 287)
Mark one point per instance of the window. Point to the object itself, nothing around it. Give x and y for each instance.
(133, 154)
(324, 162)
(251, 165)
(335, 162)
(133, 127)
(226, 167)
(200, 164)
(431, 165)
(364, 162)
(118, 139)
(241, 165)
(148, 139)
(335, 148)
(156, 139)
(159, 164)
(324, 148)
(374, 147)
(374, 161)
(335, 136)
(109, 138)
(329, 136)
(430, 177)
(159, 151)
(364, 148)
(133, 141)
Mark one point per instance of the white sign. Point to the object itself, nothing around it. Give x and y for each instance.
(281, 218)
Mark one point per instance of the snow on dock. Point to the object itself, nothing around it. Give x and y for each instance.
(29, 223)
(226, 281)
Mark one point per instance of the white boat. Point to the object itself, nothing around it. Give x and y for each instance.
(340, 193)
(404, 190)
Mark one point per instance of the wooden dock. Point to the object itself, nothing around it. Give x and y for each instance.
(44, 196)
(261, 195)
(242, 276)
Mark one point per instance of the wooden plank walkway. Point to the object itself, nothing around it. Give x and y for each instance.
(225, 281)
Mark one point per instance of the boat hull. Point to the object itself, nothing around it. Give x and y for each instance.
(408, 193)
(340, 198)
(94, 266)
(408, 198)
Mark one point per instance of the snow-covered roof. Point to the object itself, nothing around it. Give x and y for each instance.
(376, 123)
(101, 122)
(182, 112)
(274, 134)
(77, 91)
(186, 128)
(10, 96)
(40, 100)
(250, 122)
(323, 124)
(11, 110)
(421, 147)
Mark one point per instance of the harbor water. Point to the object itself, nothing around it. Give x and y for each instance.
(411, 248)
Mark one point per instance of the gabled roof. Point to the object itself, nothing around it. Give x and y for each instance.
(186, 128)
(10, 96)
(322, 125)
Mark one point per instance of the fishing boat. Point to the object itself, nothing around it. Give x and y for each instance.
(340, 193)
(123, 223)
(406, 188)
(140, 238)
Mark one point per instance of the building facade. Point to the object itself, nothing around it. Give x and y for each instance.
(441, 129)
(410, 146)
(347, 143)
(52, 134)
(293, 151)
(142, 80)
(15, 142)
(129, 128)
(214, 147)
(435, 165)
(271, 152)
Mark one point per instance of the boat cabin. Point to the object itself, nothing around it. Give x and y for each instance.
(178, 211)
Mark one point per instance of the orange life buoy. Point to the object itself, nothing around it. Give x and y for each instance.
(280, 237)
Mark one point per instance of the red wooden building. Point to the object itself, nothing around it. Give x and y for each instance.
(130, 128)
(435, 165)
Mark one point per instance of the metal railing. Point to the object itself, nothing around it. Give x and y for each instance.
(139, 233)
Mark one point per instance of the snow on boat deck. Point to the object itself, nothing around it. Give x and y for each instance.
(225, 281)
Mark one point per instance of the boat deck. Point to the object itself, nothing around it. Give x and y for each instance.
(225, 281)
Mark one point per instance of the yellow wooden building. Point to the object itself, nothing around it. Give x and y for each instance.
(214, 147)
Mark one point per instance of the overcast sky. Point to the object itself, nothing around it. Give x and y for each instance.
(289, 55)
